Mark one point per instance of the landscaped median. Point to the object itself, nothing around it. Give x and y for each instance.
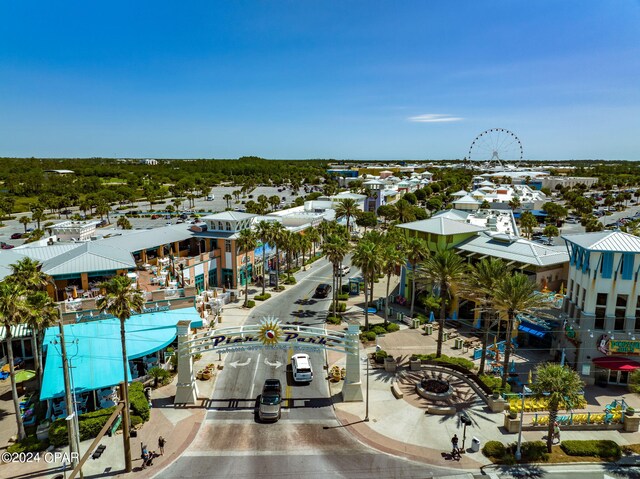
(602, 450)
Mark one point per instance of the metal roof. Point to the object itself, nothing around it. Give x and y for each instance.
(17, 331)
(440, 225)
(138, 240)
(229, 216)
(452, 214)
(460, 193)
(615, 241)
(89, 257)
(514, 248)
(467, 199)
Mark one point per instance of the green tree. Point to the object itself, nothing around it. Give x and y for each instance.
(528, 222)
(514, 203)
(366, 220)
(404, 211)
(434, 204)
(393, 258)
(263, 233)
(347, 208)
(445, 271)
(554, 211)
(246, 243)
(24, 221)
(124, 223)
(417, 250)
(274, 201)
(387, 212)
(277, 238)
(551, 231)
(560, 386)
(120, 300)
(514, 295)
(479, 286)
(485, 205)
(37, 214)
(14, 310)
(335, 248)
(365, 257)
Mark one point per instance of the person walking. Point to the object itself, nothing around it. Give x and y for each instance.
(556, 431)
(455, 450)
(161, 443)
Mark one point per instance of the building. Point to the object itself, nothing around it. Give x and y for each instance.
(74, 230)
(602, 306)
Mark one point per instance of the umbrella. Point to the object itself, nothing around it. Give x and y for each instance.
(24, 375)
(454, 316)
(432, 317)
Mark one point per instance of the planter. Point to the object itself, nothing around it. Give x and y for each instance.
(629, 411)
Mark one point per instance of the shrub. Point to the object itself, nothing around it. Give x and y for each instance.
(495, 383)
(343, 296)
(465, 363)
(279, 288)
(380, 356)
(392, 327)
(136, 420)
(368, 336)
(602, 448)
(262, 297)
(379, 330)
(138, 401)
(342, 307)
(290, 280)
(494, 449)
(295, 269)
(532, 451)
(334, 319)
(90, 425)
(28, 444)
(251, 303)
(345, 289)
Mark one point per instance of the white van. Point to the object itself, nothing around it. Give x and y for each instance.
(211, 197)
(301, 368)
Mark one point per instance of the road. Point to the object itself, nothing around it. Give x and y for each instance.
(307, 442)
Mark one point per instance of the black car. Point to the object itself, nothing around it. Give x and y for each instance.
(323, 290)
(18, 236)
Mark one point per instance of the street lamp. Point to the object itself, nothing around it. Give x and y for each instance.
(464, 419)
(366, 413)
(525, 390)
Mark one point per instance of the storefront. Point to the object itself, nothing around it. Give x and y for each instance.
(615, 367)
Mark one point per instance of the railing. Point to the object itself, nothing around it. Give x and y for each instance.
(575, 419)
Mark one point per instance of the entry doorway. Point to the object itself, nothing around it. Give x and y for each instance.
(618, 377)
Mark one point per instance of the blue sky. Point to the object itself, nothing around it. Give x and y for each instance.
(318, 79)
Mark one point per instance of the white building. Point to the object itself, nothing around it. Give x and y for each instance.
(75, 230)
(602, 306)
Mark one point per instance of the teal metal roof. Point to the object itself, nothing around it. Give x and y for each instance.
(97, 356)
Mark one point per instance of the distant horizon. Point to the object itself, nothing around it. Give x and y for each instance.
(356, 80)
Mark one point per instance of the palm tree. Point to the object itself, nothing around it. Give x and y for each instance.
(417, 250)
(314, 236)
(103, 209)
(393, 258)
(365, 256)
(404, 211)
(559, 386)
(227, 198)
(480, 286)
(514, 294)
(263, 233)
(445, 271)
(28, 274)
(120, 300)
(246, 242)
(24, 221)
(274, 201)
(124, 223)
(14, 310)
(37, 216)
(276, 238)
(528, 222)
(347, 208)
(44, 314)
(305, 245)
(335, 248)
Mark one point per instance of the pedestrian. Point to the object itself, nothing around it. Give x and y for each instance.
(556, 431)
(161, 443)
(455, 451)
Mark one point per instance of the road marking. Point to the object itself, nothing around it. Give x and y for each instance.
(255, 372)
(276, 365)
(236, 363)
(298, 452)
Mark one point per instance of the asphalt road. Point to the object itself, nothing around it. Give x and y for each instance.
(307, 442)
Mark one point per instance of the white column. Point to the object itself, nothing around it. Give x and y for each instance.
(186, 389)
(352, 388)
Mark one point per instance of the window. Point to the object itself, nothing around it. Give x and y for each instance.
(220, 228)
(621, 308)
(599, 321)
(602, 299)
(228, 226)
(584, 294)
(619, 324)
(569, 291)
(227, 246)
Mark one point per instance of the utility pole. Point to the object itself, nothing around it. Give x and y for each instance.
(74, 447)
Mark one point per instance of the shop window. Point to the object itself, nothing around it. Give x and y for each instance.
(619, 324)
(621, 308)
(601, 299)
(599, 321)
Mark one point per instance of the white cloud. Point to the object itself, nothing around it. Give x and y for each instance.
(433, 118)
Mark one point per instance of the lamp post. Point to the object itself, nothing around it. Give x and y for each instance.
(518, 454)
(366, 410)
(467, 422)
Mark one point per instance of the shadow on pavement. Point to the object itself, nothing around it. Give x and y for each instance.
(525, 471)
(622, 470)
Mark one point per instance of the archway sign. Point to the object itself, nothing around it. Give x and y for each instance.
(270, 333)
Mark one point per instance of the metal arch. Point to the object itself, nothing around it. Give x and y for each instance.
(245, 338)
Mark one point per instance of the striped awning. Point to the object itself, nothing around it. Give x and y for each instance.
(18, 331)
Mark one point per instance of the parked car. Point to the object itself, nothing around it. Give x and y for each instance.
(301, 368)
(7, 246)
(344, 269)
(323, 290)
(18, 236)
(177, 222)
(154, 217)
(269, 408)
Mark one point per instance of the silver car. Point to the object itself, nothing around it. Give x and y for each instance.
(270, 401)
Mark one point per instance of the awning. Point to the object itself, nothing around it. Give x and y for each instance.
(17, 331)
(533, 329)
(617, 364)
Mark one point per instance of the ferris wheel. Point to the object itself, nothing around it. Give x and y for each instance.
(495, 147)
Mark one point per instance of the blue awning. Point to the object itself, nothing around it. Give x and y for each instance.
(533, 329)
(96, 356)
